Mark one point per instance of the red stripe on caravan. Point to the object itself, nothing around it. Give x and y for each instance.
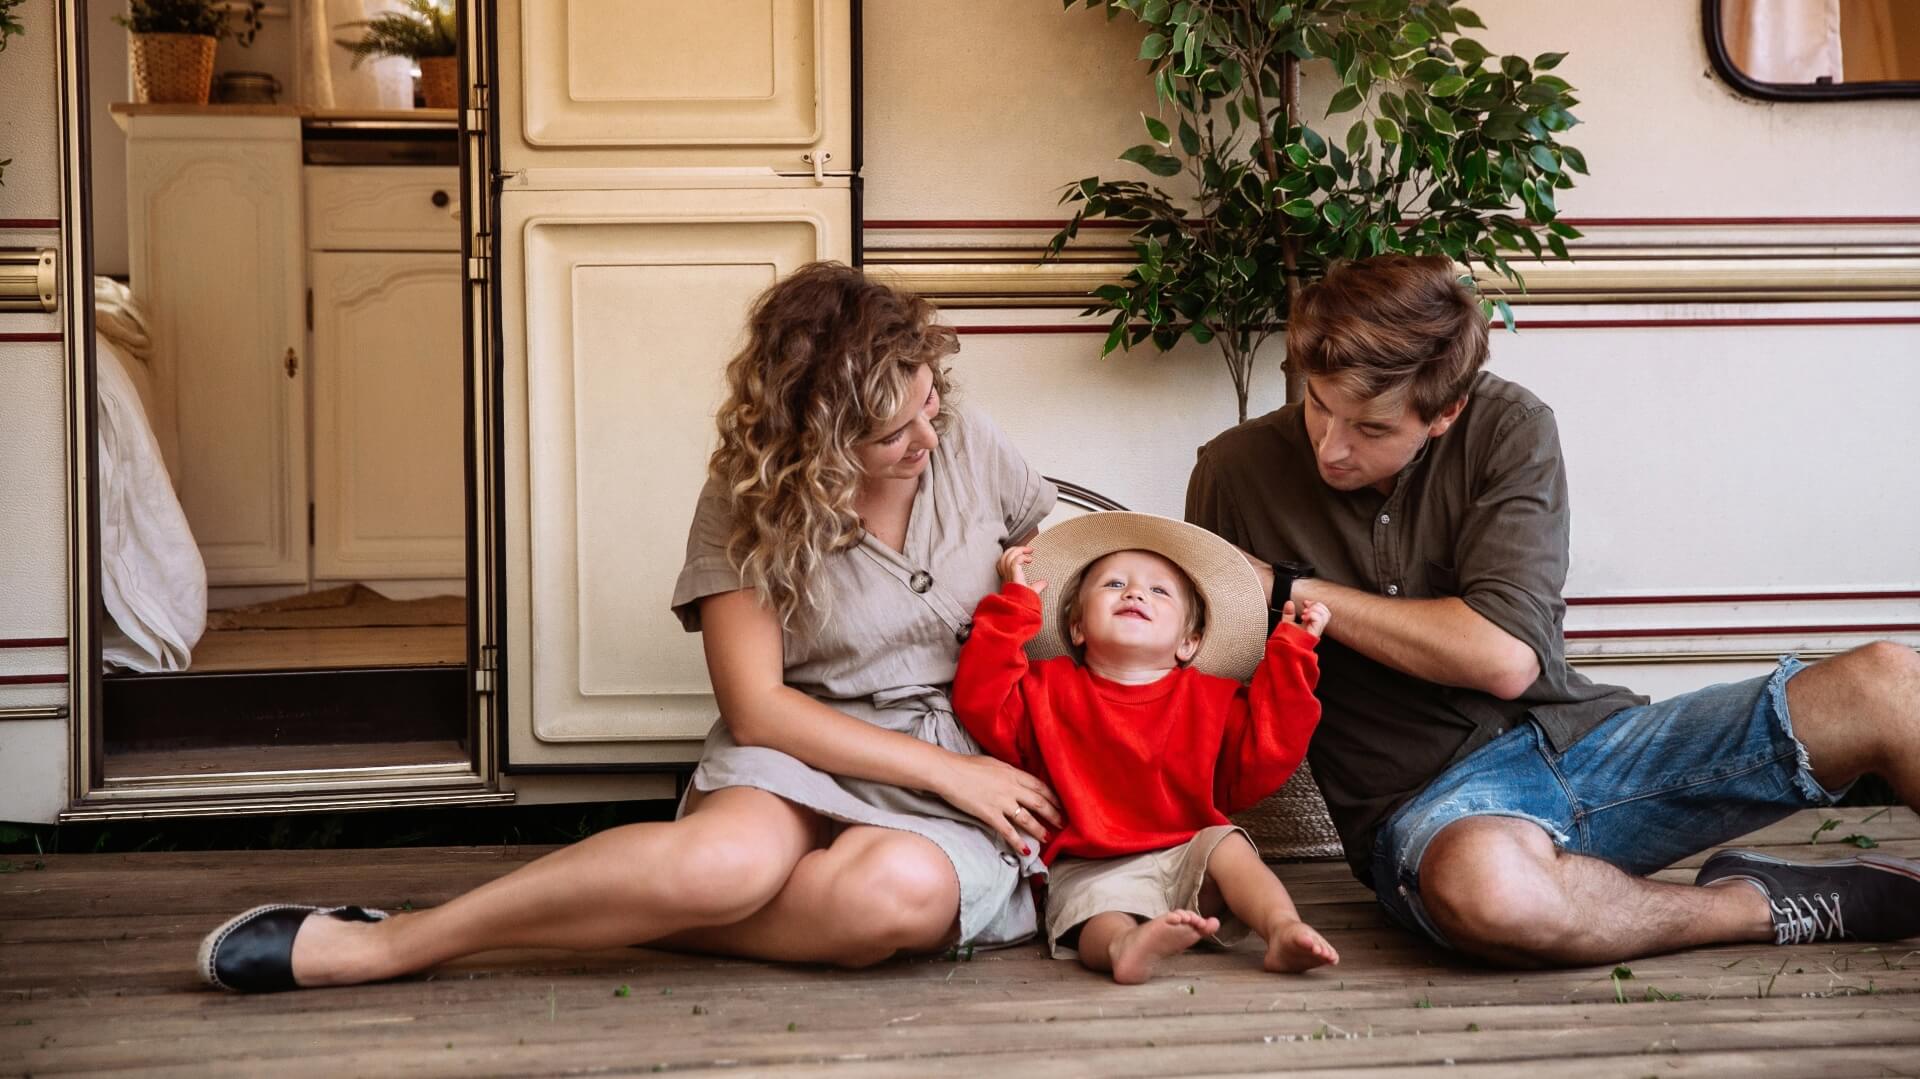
(32, 679)
(1748, 597)
(29, 222)
(1736, 631)
(33, 642)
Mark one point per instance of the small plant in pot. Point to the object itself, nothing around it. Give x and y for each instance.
(174, 41)
(424, 33)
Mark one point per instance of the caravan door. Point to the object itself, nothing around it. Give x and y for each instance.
(644, 206)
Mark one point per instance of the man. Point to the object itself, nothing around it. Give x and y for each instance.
(1493, 798)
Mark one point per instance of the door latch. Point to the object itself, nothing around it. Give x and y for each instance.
(818, 159)
(293, 363)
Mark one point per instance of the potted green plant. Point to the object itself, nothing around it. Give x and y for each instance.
(424, 33)
(173, 44)
(10, 25)
(1430, 145)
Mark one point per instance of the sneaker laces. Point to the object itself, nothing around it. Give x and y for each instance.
(1798, 919)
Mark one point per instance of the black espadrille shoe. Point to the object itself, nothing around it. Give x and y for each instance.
(253, 952)
(1867, 897)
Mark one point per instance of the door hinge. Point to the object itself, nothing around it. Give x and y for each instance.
(477, 267)
(483, 675)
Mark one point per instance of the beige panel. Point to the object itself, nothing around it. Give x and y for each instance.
(1051, 96)
(383, 209)
(33, 504)
(622, 308)
(216, 256)
(389, 476)
(33, 770)
(655, 83)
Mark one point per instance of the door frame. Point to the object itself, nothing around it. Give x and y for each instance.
(89, 795)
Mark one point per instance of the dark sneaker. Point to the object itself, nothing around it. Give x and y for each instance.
(1869, 897)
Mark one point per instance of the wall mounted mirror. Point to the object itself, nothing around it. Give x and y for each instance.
(1815, 49)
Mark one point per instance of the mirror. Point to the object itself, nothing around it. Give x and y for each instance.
(1814, 49)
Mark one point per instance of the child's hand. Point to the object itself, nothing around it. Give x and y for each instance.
(1013, 567)
(1313, 617)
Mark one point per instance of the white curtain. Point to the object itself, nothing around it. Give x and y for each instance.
(1786, 41)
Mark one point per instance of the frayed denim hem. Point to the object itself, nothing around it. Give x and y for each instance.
(1803, 777)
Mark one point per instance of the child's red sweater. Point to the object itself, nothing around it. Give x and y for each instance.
(1136, 768)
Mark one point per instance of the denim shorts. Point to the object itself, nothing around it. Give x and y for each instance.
(1649, 786)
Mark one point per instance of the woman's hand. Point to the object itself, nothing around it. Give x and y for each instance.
(1013, 567)
(1004, 798)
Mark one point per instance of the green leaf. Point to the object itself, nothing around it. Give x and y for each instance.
(1116, 335)
(1334, 213)
(1162, 165)
(1506, 312)
(1558, 245)
(1449, 86)
(1576, 160)
(1469, 51)
(1157, 130)
(1547, 61)
(1297, 154)
(1466, 17)
(1357, 137)
(1442, 121)
(1864, 842)
(1544, 158)
(1140, 154)
(1388, 130)
(1301, 208)
(1346, 100)
(1416, 34)
(1153, 47)
(1154, 11)
(1315, 144)
(1189, 138)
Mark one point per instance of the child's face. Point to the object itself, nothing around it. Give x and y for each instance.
(1134, 606)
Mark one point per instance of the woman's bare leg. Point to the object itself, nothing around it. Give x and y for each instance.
(718, 865)
(872, 894)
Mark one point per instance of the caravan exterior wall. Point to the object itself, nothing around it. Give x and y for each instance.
(1730, 355)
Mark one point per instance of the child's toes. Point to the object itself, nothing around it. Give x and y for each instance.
(1298, 947)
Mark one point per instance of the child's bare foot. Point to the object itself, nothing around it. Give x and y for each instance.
(1296, 946)
(1135, 952)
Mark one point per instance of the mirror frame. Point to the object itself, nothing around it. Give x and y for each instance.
(1748, 86)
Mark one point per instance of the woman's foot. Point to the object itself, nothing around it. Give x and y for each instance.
(1135, 952)
(331, 951)
(252, 952)
(1296, 946)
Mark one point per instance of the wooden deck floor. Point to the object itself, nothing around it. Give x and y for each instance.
(95, 952)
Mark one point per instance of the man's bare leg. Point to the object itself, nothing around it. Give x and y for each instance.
(1499, 889)
(1859, 712)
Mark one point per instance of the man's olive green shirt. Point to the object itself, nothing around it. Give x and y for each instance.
(1479, 513)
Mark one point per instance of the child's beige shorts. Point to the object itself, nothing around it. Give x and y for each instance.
(1145, 885)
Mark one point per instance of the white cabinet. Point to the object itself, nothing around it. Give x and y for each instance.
(228, 233)
(388, 467)
(217, 261)
(389, 486)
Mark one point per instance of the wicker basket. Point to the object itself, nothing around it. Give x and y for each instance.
(1293, 823)
(440, 82)
(172, 69)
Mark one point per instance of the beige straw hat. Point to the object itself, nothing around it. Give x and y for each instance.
(1235, 635)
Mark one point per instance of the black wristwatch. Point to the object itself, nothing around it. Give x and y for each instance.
(1284, 574)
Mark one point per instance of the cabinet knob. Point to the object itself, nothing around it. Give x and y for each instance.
(440, 199)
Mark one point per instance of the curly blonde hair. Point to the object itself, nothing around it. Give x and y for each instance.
(830, 356)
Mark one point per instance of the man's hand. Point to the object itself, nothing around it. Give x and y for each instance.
(1013, 567)
(1310, 616)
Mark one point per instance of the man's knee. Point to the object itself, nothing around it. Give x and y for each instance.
(900, 893)
(1487, 884)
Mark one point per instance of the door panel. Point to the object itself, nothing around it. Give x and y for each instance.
(629, 306)
(660, 83)
(216, 256)
(389, 473)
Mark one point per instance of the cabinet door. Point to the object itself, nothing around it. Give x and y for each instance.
(621, 310)
(765, 84)
(217, 263)
(388, 477)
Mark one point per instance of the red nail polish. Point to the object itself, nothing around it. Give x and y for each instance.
(1024, 849)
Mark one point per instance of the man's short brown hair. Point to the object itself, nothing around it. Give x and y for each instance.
(1388, 325)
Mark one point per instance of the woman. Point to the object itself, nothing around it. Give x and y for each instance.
(839, 814)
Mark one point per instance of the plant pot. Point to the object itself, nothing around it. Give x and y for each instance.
(171, 69)
(440, 82)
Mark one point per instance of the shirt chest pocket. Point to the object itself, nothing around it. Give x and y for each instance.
(1442, 580)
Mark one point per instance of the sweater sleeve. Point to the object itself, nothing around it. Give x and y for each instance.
(989, 686)
(1271, 722)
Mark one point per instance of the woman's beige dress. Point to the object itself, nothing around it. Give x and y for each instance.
(886, 653)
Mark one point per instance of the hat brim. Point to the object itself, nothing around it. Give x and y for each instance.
(1235, 634)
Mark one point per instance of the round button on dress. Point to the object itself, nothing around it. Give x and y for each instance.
(920, 581)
